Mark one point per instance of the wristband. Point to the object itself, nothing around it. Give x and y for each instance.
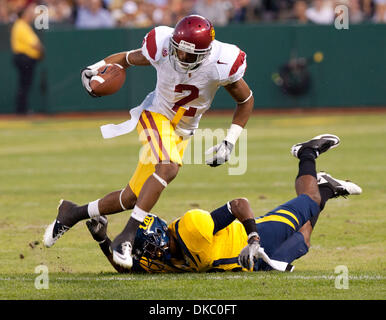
(253, 234)
(233, 133)
(97, 65)
(250, 226)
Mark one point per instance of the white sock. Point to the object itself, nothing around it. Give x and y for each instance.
(139, 214)
(93, 210)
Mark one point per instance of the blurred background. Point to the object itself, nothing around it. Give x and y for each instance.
(301, 54)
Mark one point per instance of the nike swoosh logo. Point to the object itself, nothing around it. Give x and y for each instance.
(104, 70)
(122, 260)
(219, 62)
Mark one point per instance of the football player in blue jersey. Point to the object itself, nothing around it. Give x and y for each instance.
(200, 241)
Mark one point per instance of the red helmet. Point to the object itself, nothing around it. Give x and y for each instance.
(193, 34)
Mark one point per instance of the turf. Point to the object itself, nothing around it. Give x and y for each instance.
(42, 161)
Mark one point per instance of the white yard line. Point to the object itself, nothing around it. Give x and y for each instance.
(160, 277)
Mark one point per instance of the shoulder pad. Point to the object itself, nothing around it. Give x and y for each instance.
(231, 63)
(196, 229)
(155, 41)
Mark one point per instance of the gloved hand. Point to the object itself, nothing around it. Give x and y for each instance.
(249, 252)
(98, 228)
(86, 75)
(223, 151)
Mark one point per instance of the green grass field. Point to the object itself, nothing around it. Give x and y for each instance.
(42, 161)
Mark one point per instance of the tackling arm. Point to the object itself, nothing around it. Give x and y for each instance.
(239, 209)
(243, 211)
(98, 230)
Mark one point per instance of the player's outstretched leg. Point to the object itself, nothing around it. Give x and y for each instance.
(318, 144)
(70, 213)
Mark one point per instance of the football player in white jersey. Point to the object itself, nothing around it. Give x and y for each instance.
(191, 65)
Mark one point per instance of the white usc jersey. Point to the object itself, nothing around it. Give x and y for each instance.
(194, 91)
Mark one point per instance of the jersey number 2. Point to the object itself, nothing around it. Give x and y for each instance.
(180, 103)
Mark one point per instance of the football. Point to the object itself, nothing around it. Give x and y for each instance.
(109, 80)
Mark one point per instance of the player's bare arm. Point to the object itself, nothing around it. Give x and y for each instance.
(243, 96)
(128, 58)
(242, 210)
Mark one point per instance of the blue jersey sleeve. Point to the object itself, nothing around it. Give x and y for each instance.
(222, 217)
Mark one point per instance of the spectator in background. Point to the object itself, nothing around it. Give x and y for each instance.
(367, 8)
(321, 12)
(59, 11)
(299, 11)
(161, 15)
(147, 13)
(239, 10)
(132, 14)
(27, 50)
(380, 11)
(115, 7)
(270, 10)
(9, 10)
(4, 15)
(91, 15)
(355, 12)
(216, 11)
(185, 8)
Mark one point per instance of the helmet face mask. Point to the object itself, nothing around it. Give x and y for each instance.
(155, 246)
(152, 243)
(191, 43)
(194, 58)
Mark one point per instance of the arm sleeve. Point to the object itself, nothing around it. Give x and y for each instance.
(222, 217)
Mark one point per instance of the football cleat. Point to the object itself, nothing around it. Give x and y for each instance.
(339, 187)
(319, 144)
(57, 228)
(122, 255)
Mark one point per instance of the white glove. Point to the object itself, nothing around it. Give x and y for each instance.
(249, 253)
(87, 73)
(223, 151)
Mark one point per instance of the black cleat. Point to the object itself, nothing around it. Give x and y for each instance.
(319, 144)
(61, 224)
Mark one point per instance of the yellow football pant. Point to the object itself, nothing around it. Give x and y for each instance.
(160, 143)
